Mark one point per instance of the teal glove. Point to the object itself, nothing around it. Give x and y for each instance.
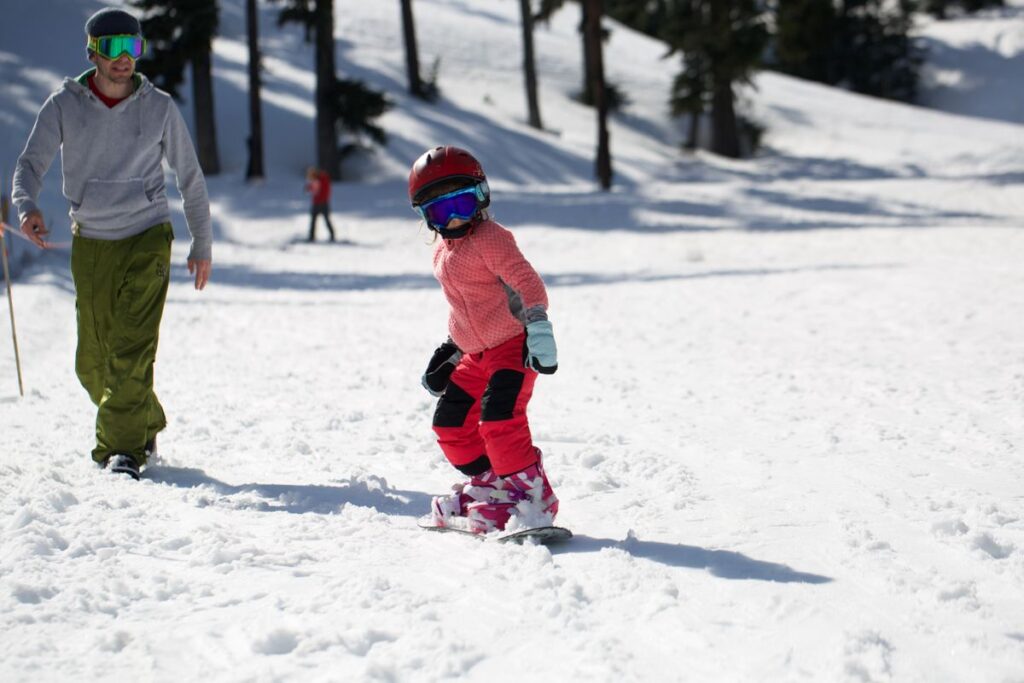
(541, 352)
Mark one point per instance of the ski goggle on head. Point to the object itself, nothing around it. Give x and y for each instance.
(462, 203)
(112, 47)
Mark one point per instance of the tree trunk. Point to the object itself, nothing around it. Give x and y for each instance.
(725, 138)
(593, 12)
(693, 136)
(412, 60)
(530, 66)
(587, 93)
(254, 170)
(326, 116)
(202, 101)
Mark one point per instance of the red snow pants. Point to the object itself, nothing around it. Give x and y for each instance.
(483, 411)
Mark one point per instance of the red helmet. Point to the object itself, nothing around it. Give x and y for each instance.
(440, 164)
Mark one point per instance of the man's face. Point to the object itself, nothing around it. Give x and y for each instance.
(118, 70)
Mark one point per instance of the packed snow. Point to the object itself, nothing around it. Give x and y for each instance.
(787, 428)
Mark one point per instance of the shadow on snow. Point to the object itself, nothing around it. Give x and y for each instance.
(300, 498)
(322, 499)
(724, 564)
(243, 276)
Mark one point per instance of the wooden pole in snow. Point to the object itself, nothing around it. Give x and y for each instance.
(7, 280)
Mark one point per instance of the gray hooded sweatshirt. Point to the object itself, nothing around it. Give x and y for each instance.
(112, 161)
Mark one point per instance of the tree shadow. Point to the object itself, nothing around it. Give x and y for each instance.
(974, 76)
(724, 564)
(299, 498)
(588, 279)
(772, 165)
(1009, 178)
(861, 212)
(235, 275)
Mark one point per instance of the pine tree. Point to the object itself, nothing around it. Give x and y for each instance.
(689, 95)
(614, 99)
(646, 16)
(862, 45)
(941, 8)
(340, 104)
(357, 106)
(805, 31)
(317, 16)
(300, 12)
(876, 53)
(722, 43)
(180, 32)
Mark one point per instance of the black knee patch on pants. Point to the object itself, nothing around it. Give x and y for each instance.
(499, 400)
(477, 467)
(452, 407)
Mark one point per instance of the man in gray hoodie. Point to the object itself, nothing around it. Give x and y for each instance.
(113, 129)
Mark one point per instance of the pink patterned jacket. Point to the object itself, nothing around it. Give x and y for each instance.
(491, 288)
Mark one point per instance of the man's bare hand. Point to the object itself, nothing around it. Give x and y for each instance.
(201, 269)
(34, 228)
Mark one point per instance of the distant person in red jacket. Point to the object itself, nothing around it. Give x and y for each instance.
(499, 339)
(318, 185)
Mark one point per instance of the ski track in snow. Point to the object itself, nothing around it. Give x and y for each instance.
(786, 428)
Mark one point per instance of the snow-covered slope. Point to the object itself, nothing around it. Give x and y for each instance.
(786, 429)
(974, 63)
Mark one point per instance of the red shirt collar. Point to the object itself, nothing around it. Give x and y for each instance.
(109, 101)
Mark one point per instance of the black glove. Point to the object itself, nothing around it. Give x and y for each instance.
(440, 368)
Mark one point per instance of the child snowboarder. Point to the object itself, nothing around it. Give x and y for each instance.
(499, 339)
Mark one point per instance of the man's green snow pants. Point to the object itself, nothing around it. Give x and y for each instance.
(120, 288)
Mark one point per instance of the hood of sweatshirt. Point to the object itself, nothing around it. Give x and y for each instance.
(112, 161)
(141, 87)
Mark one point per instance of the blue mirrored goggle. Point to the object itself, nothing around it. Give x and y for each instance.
(462, 203)
(112, 47)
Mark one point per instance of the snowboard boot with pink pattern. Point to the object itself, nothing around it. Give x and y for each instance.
(527, 496)
(478, 488)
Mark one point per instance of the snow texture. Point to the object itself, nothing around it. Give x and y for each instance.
(787, 427)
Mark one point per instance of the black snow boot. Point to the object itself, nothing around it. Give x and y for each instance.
(122, 463)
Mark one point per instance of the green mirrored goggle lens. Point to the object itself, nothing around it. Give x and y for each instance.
(113, 47)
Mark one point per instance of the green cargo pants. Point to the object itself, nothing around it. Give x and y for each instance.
(120, 288)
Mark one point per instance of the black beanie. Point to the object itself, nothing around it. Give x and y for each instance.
(112, 22)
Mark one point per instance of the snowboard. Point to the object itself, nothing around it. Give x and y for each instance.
(542, 534)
